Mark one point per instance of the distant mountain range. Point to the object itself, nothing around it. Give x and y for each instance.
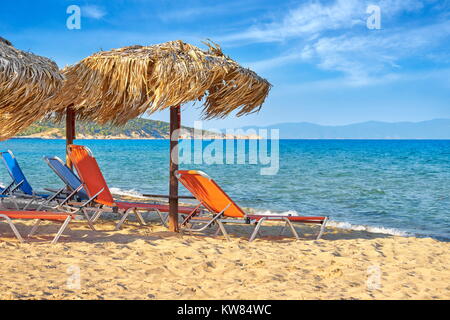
(151, 129)
(432, 129)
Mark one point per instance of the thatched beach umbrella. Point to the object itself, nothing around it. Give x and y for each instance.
(118, 85)
(27, 82)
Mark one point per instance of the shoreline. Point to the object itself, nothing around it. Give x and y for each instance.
(246, 138)
(132, 138)
(344, 225)
(340, 225)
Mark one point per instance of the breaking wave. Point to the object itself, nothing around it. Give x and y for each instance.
(127, 193)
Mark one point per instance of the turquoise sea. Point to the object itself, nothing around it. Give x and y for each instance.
(390, 186)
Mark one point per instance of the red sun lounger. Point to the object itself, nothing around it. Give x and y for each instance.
(39, 216)
(95, 185)
(225, 210)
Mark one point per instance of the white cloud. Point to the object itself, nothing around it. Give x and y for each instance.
(306, 20)
(94, 12)
(392, 7)
(312, 18)
(376, 53)
(194, 12)
(325, 35)
(334, 84)
(277, 61)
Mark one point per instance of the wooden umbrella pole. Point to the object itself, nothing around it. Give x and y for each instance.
(175, 123)
(70, 131)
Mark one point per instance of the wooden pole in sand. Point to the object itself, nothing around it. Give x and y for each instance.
(175, 123)
(70, 131)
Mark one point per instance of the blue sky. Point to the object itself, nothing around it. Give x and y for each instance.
(326, 65)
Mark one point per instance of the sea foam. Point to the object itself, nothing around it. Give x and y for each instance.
(346, 225)
(127, 193)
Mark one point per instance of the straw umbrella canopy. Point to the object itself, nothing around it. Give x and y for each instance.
(118, 85)
(27, 82)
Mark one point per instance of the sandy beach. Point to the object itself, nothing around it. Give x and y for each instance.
(315, 111)
(151, 263)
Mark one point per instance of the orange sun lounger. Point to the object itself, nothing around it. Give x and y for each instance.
(225, 210)
(95, 185)
(9, 216)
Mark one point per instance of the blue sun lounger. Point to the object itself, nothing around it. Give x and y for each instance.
(21, 188)
(61, 196)
(69, 177)
(20, 182)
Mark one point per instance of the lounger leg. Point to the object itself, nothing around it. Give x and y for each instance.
(217, 231)
(96, 215)
(139, 217)
(163, 220)
(89, 222)
(222, 228)
(255, 232)
(29, 204)
(282, 228)
(166, 219)
(13, 200)
(292, 228)
(13, 227)
(122, 220)
(322, 228)
(61, 230)
(35, 227)
(15, 203)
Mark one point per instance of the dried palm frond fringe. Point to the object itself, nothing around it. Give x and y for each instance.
(27, 82)
(118, 85)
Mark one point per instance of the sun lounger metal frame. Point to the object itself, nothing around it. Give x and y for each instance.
(216, 219)
(71, 183)
(25, 186)
(220, 219)
(40, 216)
(20, 188)
(125, 214)
(64, 205)
(55, 203)
(13, 193)
(12, 226)
(62, 208)
(123, 208)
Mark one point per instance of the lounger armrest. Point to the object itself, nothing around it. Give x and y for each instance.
(91, 199)
(24, 195)
(15, 188)
(303, 219)
(7, 189)
(56, 190)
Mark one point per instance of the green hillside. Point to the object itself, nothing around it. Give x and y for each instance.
(137, 128)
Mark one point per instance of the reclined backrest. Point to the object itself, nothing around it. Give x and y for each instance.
(90, 173)
(208, 192)
(16, 172)
(66, 174)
